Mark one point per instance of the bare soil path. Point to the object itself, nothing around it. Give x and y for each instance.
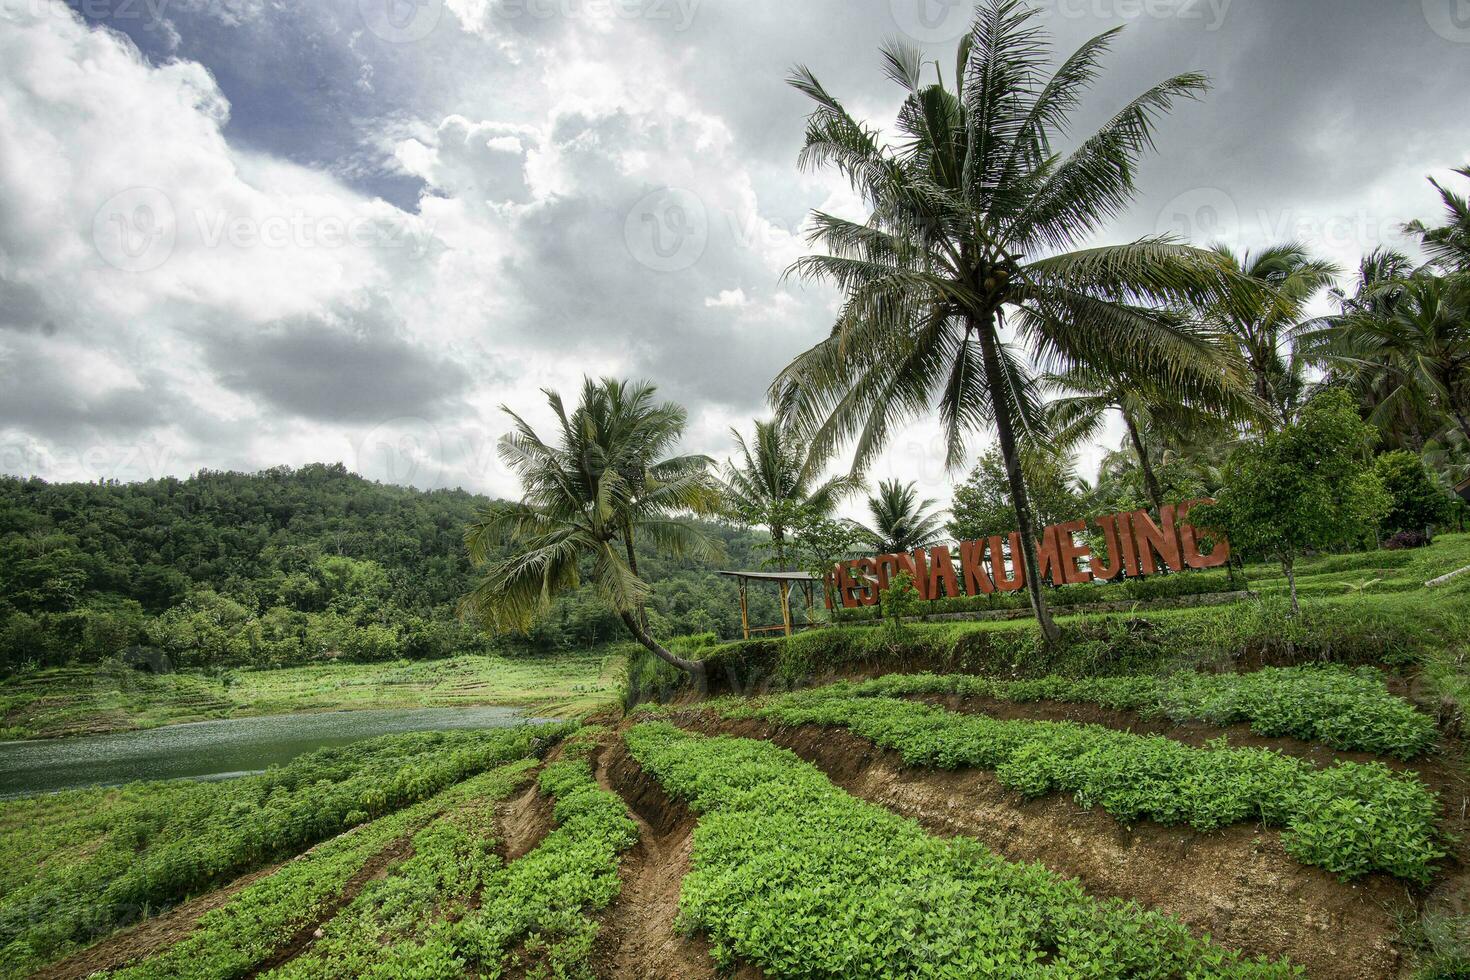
(638, 940)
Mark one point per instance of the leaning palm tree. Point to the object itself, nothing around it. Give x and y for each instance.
(1148, 407)
(627, 430)
(968, 264)
(1266, 306)
(1448, 244)
(584, 498)
(901, 521)
(769, 484)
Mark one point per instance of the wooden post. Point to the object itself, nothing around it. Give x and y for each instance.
(786, 606)
(744, 611)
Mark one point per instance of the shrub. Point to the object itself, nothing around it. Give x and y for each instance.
(1406, 540)
(1307, 486)
(1416, 501)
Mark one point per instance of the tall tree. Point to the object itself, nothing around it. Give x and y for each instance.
(901, 521)
(584, 498)
(1147, 407)
(1409, 341)
(1352, 359)
(968, 261)
(770, 485)
(1264, 309)
(1448, 244)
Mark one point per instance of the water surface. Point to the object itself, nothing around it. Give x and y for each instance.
(215, 749)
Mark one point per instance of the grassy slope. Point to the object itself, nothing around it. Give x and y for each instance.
(68, 701)
(1396, 621)
(1384, 589)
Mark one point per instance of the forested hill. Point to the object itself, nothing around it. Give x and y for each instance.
(280, 567)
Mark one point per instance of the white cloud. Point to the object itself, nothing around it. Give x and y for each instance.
(728, 298)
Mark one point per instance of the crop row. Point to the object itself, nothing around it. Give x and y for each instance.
(147, 850)
(380, 933)
(533, 914)
(1349, 818)
(539, 911)
(236, 939)
(794, 875)
(1341, 707)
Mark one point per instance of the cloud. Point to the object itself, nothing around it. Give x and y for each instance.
(255, 233)
(351, 364)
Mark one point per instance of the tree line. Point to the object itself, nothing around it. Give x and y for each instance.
(284, 567)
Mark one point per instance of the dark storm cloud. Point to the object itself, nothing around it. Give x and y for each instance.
(1314, 103)
(49, 395)
(24, 309)
(350, 366)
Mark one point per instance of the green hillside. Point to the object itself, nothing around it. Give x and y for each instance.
(283, 568)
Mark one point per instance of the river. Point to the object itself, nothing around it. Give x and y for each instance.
(214, 749)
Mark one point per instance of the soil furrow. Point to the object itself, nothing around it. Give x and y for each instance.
(1238, 884)
(638, 940)
(377, 867)
(149, 936)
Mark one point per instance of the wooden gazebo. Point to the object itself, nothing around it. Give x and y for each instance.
(784, 582)
(1464, 491)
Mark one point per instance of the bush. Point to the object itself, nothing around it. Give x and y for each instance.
(1406, 540)
(1066, 596)
(1417, 503)
(1308, 486)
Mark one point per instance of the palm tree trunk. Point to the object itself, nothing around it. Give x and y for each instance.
(1150, 481)
(633, 567)
(693, 668)
(1006, 436)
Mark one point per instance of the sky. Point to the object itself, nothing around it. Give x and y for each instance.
(237, 234)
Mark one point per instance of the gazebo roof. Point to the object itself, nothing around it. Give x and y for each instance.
(773, 576)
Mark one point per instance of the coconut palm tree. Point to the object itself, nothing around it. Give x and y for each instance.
(1149, 408)
(1264, 309)
(1448, 244)
(901, 521)
(969, 263)
(769, 484)
(1409, 340)
(1401, 414)
(585, 497)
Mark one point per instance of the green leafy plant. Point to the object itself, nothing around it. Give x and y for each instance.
(1345, 708)
(1308, 485)
(1350, 819)
(799, 878)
